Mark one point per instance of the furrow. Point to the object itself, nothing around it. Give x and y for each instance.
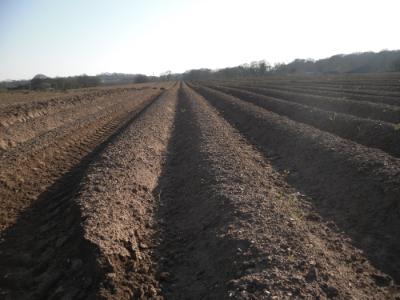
(234, 228)
(370, 110)
(26, 173)
(118, 204)
(69, 113)
(354, 186)
(364, 93)
(53, 251)
(371, 133)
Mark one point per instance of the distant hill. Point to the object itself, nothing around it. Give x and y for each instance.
(43, 82)
(121, 78)
(40, 77)
(365, 62)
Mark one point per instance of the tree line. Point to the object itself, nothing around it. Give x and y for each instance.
(366, 62)
(42, 82)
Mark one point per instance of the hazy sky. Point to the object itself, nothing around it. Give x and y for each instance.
(72, 37)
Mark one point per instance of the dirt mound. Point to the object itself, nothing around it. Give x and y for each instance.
(183, 191)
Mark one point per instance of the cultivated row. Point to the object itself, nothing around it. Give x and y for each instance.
(355, 186)
(30, 168)
(372, 133)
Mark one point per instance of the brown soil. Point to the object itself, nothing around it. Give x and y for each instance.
(30, 168)
(48, 253)
(364, 92)
(16, 98)
(117, 203)
(38, 121)
(354, 186)
(371, 133)
(235, 228)
(363, 109)
(191, 193)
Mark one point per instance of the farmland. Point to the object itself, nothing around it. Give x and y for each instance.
(270, 188)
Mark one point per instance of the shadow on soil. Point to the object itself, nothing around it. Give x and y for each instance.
(195, 257)
(351, 205)
(44, 254)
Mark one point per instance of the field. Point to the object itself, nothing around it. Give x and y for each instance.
(271, 188)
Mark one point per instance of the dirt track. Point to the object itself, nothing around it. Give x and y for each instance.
(192, 193)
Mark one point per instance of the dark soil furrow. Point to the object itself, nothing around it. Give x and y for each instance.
(233, 228)
(118, 206)
(377, 84)
(378, 96)
(21, 113)
(15, 134)
(25, 173)
(387, 90)
(47, 254)
(205, 190)
(381, 95)
(376, 111)
(371, 133)
(354, 186)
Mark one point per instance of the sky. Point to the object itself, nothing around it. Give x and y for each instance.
(64, 38)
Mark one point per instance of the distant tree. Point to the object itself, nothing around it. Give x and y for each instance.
(253, 70)
(40, 81)
(84, 81)
(263, 67)
(200, 74)
(278, 68)
(166, 76)
(140, 78)
(396, 65)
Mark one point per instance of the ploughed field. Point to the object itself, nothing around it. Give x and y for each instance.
(275, 188)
